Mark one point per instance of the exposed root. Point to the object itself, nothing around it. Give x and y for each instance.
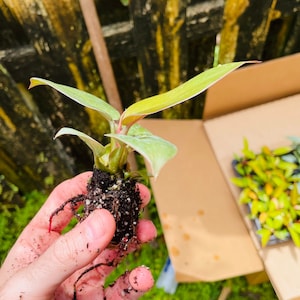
(108, 264)
(74, 205)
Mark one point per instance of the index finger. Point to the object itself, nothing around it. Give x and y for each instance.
(62, 193)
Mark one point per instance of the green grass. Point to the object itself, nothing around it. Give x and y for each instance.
(153, 255)
(14, 218)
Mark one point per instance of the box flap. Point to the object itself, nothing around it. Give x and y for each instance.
(282, 264)
(267, 124)
(254, 84)
(205, 235)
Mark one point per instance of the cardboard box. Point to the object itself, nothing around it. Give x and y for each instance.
(208, 235)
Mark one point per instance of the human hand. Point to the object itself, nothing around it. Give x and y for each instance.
(45, 265)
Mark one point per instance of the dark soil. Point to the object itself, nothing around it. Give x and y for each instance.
(113, 192)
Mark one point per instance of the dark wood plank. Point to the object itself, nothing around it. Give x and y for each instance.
(144, 37)
(287, 7)
(28, 156)
(245, 29)
(11, 33)
(202, 18)
(62, 53)
(292, 43)
(259, 30)
(160, 36)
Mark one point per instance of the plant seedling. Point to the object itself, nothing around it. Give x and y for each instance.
(112, 185)
(270, 187)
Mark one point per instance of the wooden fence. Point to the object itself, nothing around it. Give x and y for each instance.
(153, 46)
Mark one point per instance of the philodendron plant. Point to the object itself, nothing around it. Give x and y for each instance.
(112, 186)
(270, 187)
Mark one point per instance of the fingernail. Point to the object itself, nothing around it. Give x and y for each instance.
(141, 279)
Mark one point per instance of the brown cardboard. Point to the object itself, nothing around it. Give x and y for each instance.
(207, 234)
(200, 224)
(254, 85)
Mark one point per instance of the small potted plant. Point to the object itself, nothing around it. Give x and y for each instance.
(270, 187)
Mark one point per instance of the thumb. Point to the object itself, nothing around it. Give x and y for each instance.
(67, 254)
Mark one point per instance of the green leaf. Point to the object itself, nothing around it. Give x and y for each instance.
(258, 171)
(262, 206)
(155, 150)
(277, 223)
(239, 168)
(97, 148)
(249, 154)
(282, 150)
(281, 234)
(254, 208)
(245, 196)
(295, 235)
(81, 97)
(265, 236)
(270, 222)
(185, 91)
(241, 182)
(137, 129)
(287, 166)
(296, 227)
